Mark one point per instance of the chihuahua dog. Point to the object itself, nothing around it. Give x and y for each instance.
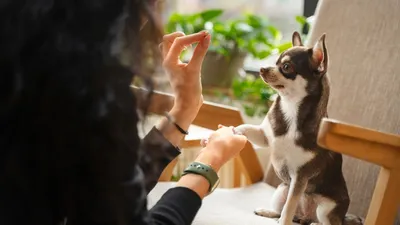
(313, 189)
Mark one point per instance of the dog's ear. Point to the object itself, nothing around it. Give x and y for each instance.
(320, 55)
(296, 39)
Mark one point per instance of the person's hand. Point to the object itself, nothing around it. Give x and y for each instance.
(185, 78)
(222, 145)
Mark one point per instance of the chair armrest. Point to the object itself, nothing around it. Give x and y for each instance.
(369, 145)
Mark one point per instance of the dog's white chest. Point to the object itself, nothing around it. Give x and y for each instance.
(284, 150)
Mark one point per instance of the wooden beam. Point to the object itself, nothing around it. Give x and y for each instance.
(190, 143)
(237, 173)
(361, 133)
(371, 146)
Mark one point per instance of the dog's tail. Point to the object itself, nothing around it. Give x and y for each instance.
(353, 220)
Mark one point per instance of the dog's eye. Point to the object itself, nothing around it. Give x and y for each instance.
(286, 68)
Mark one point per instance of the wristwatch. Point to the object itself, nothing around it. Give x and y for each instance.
(206, 171)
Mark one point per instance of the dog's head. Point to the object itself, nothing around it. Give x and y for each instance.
(298, 70)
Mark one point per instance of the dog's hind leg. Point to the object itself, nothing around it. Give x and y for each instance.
(296, 190)
(277, 202)
(330, 212)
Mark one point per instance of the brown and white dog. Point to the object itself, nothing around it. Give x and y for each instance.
(313, 189)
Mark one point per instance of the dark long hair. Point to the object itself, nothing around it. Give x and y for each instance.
(65, 97)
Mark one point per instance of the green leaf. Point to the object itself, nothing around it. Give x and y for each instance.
(219, 27)
(241, 43)
(223, 51)
(276, 34)
(211, 14)
(301, 20)
(283, 47)
(254, 94)
(175, 17)
(243, 27)
(263, 54)
(266, 94)
(250, 110)
(255, 21)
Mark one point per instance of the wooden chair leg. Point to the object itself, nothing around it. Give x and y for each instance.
(249, 165)
(167, 173)
(386, 198)
(236, 173)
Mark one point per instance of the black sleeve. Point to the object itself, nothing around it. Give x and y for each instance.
(178, 206)
(156, 153)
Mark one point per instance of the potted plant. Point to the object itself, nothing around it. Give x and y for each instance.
(232, 41)
(254, 96)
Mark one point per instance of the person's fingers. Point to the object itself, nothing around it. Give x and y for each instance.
(172, 57)
(171, 37)
(242, 138)
(168, 39)
(199, 53)
(203, 142)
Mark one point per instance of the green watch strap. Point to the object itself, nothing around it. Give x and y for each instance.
(205, 171)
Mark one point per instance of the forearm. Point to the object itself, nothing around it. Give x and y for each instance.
(180, 205)
(183, 118)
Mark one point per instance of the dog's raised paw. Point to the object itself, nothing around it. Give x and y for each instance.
(267, 213)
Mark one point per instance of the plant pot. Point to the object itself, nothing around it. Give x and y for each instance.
(219, 71)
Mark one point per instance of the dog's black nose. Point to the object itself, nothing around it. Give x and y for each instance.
(263, 70)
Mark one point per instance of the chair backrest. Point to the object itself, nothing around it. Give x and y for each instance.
(364, 69)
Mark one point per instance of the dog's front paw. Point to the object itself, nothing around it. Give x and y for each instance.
(241, 130)
(267, 213)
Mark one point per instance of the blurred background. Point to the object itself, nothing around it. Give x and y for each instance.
(277, 11)
(246, 35)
